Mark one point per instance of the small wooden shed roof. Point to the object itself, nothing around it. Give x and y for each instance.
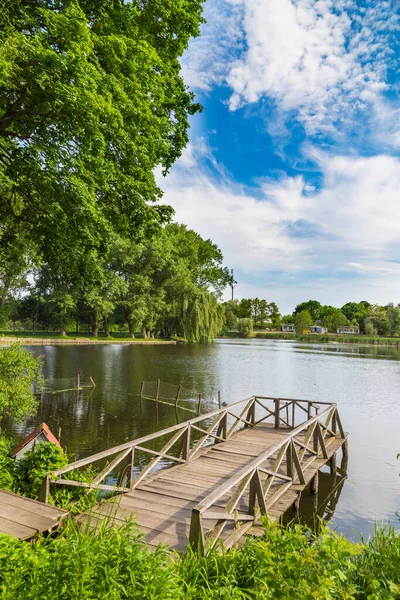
(41, 431)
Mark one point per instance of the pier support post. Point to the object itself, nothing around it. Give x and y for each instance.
(314, 484)
(296, 505)
(332, 463)
(345, 447)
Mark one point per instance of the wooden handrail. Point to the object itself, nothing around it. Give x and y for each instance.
(254, 463)
(152, 436)
(220, 425)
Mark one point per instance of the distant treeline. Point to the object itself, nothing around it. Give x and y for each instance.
(371, 319)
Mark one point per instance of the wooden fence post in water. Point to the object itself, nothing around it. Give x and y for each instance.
(198, 405)
(78, 382)
(158, 389)
(141, 390)
(177, 395)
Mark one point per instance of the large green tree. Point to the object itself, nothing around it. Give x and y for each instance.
(312, 306)
(91, 102)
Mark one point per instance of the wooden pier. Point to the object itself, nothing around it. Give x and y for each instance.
(25, 518)
(210, 479)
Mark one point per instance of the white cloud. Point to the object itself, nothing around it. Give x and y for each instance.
(319, 58)
(323, 59)
(206, 61)
(350, 225)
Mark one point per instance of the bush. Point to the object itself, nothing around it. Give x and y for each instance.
(26, 475)
(34, 466)
(245, 327)
(287, 563)
(19, 371)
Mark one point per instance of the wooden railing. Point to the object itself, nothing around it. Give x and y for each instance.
(181, 443)
(251, 492)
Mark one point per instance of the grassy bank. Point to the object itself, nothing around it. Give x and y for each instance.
(115, 564)
(54, 338)
(330, 337)
(321, 338)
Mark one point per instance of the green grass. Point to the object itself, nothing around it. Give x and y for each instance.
(54, 335)
(114, 563)
(329, 337)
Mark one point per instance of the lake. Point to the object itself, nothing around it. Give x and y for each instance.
(363, 381)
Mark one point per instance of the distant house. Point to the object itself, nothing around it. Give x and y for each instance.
(318, 329)
(288, 327)
(40, 434)
(348, 330)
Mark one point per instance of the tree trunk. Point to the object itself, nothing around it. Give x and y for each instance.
(131, 330)
(62, 330)
(144, 331)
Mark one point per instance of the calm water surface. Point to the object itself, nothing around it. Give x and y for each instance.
(364, 382)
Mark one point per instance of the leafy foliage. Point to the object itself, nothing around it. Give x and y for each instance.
(245, 327)
(302, 321)
(34, 466)
(19, 371)
(286, 563)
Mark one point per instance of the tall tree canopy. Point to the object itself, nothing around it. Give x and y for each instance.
(91, 101)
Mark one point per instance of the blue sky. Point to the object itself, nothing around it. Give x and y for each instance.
(293, 168)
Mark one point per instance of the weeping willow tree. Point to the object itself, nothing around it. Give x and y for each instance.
(202, 317)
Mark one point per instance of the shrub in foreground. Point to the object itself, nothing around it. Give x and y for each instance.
(288, 563)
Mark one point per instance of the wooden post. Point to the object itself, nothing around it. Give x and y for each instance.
(186, 444)
(277, 412)
(332, 463)
(219, 399)
(141, 390)
(252, 495)
(315, 440)
(289, 460)
(44, 491)
(198, 405)
(296, 505)
(314, 483)
(345, 447)
(158, 389)
(78, 382)
(196, 535)
(334, 424)
(177, 395)
(132, 467)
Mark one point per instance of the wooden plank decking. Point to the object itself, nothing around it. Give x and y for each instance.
(162, 505)
(231, 466)
(25, 518)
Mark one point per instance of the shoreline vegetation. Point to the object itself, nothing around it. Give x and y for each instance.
(361, 340)
(54, 339)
